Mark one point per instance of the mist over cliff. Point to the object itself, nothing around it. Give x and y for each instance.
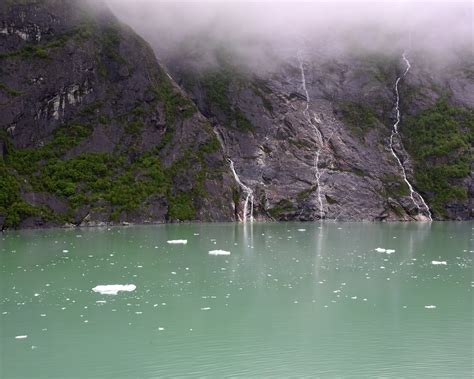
(263, 33)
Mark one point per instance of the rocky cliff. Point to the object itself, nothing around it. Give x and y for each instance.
(314, 137)
(93, 129)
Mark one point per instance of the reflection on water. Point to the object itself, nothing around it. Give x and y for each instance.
(292, 299)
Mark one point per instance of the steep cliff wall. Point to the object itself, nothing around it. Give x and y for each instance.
(92, 128)
(312, 137)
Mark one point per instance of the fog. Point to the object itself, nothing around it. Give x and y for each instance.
(265, 32)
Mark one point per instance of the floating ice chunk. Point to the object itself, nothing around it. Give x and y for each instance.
(219, 252)
(21, 337)
(177, 242)
(301, 230)
(380, 250)
(114, 289)
(439, 263)
(390, 251)
(65, 251)
(205, 308)
(430, 306)
(161, 329)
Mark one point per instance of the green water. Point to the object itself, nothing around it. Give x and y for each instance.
(286, 302)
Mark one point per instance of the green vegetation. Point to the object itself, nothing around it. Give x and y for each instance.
(177, 106)
(260, 89)
(98, 180)
(216, 84)
(10, 91)
(439, 139)
(360, 118)
(303, 195)
(181, 207)
(282, 207)
(395, 186)
(300, 144)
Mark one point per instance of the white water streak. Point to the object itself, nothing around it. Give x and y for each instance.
(318, 135)
(248, 211)
(413, 193)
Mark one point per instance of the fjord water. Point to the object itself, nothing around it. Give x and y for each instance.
(290, 300)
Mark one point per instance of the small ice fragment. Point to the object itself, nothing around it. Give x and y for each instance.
(101, 302)
(301, 230)
(65, 251)
(177, 242)
(354, 297)
(439, 263)
(380, 250)
(21, 337)
(430, 306)
(173, 272)
(390, 251)
(219, 252)
(161, 329)
(205, 308)
(114, 289)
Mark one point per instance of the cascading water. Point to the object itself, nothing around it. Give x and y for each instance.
(319, 138)
(420, 204)
(249, 198)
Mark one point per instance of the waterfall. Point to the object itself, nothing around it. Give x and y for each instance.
(319, 137)
(248, 204)
(420, 204)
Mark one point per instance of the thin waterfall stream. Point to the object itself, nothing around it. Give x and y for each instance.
(421, 203)
(319, 138)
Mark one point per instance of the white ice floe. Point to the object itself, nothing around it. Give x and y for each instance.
(205, 308)
(114, 289)
(301, 230)
(219, 252)
(21, 337)
(439, 263)
(177, 242)
(430, 306)
(382, 250)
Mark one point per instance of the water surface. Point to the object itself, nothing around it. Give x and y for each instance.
(291, 299)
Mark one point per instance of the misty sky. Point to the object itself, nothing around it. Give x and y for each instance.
(281, 26)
